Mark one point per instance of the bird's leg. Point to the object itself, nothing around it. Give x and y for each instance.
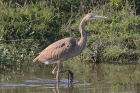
(58, 70)
(54, 70)
(70, 74)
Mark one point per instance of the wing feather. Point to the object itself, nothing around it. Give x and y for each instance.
(57, 50)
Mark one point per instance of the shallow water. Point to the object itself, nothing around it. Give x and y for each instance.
(89, 78)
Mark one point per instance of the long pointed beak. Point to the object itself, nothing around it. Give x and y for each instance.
(97, 16)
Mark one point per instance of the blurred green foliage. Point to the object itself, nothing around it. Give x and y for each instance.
(28, 26)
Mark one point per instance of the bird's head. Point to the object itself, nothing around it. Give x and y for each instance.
(91, 16)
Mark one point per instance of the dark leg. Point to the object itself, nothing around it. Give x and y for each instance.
(70, 74)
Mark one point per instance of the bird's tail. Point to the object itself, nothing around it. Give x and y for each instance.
(35, 58)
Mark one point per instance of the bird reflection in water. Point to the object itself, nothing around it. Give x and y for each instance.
(69, 89)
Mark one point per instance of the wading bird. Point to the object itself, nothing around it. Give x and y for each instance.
(66, 48)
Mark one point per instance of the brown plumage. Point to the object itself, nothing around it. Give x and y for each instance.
(57, 51)
(66, 48)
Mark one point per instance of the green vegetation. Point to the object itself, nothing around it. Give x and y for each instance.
(27, 27)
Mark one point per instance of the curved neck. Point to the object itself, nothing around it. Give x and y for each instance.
(83, 39)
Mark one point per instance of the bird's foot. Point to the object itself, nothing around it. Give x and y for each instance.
(54, 72)
(70, 75)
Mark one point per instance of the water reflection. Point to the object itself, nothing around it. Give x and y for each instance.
(97, 71)
(69, 89)
(89, 78)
